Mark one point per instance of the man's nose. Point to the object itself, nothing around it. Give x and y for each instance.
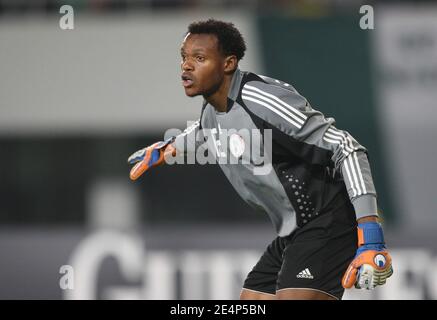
(187, 65)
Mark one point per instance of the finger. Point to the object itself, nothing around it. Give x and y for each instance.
(138, 170)
(390, 272)
(365, 277)
(136, 156)
(350, 277)
(381, 281)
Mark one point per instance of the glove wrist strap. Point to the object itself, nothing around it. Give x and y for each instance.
(370, 233)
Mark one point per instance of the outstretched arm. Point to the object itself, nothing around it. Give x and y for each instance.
(157, 153)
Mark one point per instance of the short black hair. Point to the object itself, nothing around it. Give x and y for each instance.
(230, 40)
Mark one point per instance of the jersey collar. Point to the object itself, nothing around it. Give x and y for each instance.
(235, 85)
(235, 88)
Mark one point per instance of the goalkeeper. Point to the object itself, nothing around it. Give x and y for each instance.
(319, 192)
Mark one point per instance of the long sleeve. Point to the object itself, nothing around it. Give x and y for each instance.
(288, 113)
(190, 139)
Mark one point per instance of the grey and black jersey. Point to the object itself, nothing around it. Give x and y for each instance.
(311, 162)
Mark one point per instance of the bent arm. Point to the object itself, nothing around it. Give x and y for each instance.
(290, 114)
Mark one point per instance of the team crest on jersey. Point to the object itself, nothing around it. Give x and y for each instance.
(236, 145)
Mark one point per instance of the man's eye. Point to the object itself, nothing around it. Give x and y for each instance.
(200, 58)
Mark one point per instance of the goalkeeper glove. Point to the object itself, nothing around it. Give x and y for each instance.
(150, 156)
(372, 263)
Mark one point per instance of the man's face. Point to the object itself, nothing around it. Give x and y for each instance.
(202, 65)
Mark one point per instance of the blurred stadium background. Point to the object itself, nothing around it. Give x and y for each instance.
(74, 104)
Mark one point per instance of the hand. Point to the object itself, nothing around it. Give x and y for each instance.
(372, 264)
(150, 156)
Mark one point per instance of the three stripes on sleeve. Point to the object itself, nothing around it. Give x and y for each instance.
(332, 136)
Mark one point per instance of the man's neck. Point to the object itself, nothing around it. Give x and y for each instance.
(219, 99)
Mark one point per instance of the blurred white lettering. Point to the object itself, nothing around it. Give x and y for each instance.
(367, 21)
(213, 274)
(67, 280)
(87, 258)
(66, 22)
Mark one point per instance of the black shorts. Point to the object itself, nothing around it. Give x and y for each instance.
(314, 256)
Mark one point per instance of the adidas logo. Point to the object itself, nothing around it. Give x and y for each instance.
(306, 274)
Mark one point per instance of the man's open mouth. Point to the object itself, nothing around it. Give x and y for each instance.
(187, 81)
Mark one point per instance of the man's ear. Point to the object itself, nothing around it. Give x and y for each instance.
(231, 63)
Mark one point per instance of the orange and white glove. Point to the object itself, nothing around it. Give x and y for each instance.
(372, 264)
(150, 156)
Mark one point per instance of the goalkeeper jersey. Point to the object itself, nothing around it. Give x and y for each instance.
(282, 156)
